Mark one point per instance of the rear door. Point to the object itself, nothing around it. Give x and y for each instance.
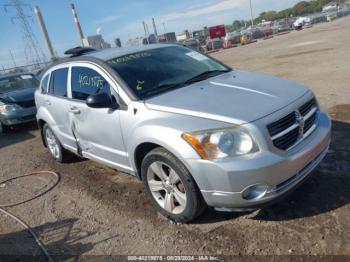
(97, 130)
(56, 102)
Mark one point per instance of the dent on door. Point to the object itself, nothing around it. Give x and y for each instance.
(80, 145)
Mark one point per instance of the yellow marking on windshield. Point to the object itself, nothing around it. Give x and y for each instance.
(139, 85)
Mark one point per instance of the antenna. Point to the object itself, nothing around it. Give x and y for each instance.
(33, 53)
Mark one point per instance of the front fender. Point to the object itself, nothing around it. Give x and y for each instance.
(165, 129)
(166, 137)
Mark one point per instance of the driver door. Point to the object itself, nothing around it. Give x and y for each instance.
(97, 130)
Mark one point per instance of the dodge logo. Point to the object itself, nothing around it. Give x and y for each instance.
(300, 120)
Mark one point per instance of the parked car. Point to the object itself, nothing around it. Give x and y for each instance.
(17, 104)
(215, 43)
(192, 43)
(232, 38)
(266, 28)
(196, 132)
(300, 22)
(281, 26)
(252, 33)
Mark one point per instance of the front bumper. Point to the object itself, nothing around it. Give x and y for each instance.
(21, 116)
(223, 182)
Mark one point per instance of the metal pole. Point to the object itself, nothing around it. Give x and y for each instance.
(251, 12)
(147, 36)
(44, 31)
(80, 31)
(144, 28)
(12, 57)
(154, 27)
(166, 39)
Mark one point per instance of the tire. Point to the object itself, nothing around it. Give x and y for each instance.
(54, 145)
(3, 128)
(175, 195)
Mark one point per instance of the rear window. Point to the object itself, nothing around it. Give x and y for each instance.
(58, 82)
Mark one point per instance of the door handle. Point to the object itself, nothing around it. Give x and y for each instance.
(47, 102)
(74, 110)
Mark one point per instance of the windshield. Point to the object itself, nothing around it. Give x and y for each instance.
(156, 71)
(11, 83)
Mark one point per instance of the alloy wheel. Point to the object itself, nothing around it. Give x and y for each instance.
(52, 143)
(166, 187)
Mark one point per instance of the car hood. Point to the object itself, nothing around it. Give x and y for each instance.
(236, 97)
(19, 95)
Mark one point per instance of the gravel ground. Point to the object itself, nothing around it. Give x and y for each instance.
(93, 210)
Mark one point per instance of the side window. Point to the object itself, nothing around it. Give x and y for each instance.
(58, 82)
(86, 81)
(44, 84)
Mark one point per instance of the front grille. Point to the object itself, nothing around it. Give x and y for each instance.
(282, 124)
(30, 117)
(286, 141)
(289, 130)
(26, 104)
(309, 122)
(304, 109)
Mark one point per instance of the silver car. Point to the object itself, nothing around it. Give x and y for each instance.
(196, 132)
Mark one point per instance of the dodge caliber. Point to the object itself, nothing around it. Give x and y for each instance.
(196, 132)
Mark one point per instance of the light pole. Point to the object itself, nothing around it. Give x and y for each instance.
(251, 12)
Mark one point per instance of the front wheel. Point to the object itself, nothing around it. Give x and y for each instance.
(171, 187)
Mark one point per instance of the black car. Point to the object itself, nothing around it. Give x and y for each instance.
(17, 104)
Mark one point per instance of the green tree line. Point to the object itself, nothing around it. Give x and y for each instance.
(301, 8)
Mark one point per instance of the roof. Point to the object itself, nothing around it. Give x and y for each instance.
(110, 53)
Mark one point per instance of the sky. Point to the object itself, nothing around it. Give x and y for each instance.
(118, 18)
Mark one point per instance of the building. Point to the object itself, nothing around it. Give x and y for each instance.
(96, 41)
(151, 39)
(184, 36)
(117, 42)
(167, 38)
(203, 33)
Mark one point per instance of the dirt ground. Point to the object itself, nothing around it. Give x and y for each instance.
(93, 210)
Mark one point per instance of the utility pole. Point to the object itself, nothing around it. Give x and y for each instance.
(77, 23)
(33, 53)
(12, 57)
(44, 31)
(145, 28)
(251, 12)
(154, 27)
(166, 38)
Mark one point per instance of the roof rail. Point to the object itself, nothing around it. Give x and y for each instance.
(78, 51)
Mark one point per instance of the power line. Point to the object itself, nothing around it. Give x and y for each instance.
(33, 52)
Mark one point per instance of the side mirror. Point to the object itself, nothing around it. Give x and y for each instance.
(100, 100)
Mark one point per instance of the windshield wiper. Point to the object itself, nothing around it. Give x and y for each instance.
(162, 88)
(205, 75)
(172, 86)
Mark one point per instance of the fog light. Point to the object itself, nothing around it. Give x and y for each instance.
(254, 192)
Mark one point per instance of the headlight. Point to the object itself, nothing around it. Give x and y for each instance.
(8, 108)
(215, 144)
